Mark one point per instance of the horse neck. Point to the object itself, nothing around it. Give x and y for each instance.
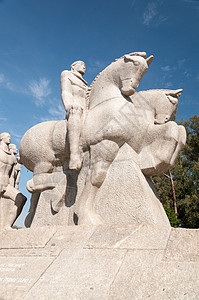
(106, 86)
(144, 105)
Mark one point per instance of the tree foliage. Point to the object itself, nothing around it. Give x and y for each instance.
(185, 178)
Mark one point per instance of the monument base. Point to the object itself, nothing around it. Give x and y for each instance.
(125, 197)
(102, 262)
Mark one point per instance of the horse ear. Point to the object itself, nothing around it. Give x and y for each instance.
(172, 99)
(174, 93)
(149, 60)
(178, 92)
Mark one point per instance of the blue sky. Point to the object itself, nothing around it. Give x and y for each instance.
(40, 38)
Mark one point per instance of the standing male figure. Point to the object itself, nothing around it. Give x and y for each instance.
(11, 200)
(14, 181)
(73, 93)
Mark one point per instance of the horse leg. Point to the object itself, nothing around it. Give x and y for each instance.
(33, 206)
(42, 178)
(180, 144)
(162, 145)
(101, 157)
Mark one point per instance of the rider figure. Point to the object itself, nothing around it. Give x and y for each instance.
(73, 93)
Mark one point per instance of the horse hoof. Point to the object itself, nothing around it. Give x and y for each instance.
(30, 186)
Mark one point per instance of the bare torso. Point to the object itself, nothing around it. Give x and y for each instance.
(7, 161)
(75, 87)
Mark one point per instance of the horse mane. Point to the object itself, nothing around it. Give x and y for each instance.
(88, 92)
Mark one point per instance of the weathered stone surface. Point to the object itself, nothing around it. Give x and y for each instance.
(126, 196)
(70, 237)
(143, 275)
(130, 237)
(64, 198)
(19, 274)
(102, 262)
(183, 245)
(84, 274)
(26, 238)
(11, 200)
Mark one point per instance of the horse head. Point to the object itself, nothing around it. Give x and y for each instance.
(121, 77)
(135, 66)
(166, 105)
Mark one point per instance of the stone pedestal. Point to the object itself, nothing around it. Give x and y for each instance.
(125, 197)
(104, 262)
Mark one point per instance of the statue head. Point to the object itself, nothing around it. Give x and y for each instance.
(5, 138)
(78, 66)
(13, 149)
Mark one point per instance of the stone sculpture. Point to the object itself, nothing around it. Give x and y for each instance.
(117, 120)
(73, 92)
(17, 168)
(12, 201)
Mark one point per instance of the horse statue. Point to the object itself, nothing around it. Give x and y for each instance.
(113, 118)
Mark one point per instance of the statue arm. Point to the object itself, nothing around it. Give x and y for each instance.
(66, 90)
(12, 177)
(18, 175)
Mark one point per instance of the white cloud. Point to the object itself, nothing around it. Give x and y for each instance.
(2, 78)
(166, 68)
(152, 16)
(168, 84)
(15, 137)
(40, 90)
(95, 66)
(55, 112)
(181, 63)
(58, 112)
(191, 1)
(150, 13)
(187, 74)
(3, 119)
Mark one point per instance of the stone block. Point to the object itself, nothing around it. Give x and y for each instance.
(140, 236)
(183, 245)
(70, 237)
(85, 274)
(127, 196)
(144, 276)
(19, 274)
(26, 238)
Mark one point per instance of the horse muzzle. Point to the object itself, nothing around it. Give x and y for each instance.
(128, 91)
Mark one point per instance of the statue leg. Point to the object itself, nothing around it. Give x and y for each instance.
(101, 157)
(42, 178)
(18, 199)
(33, 206)
(74, 131)
(180, 144)
(161, 147)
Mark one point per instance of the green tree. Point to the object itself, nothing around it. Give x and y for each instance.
(184, 177)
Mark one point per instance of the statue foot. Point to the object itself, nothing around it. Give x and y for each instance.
(75, 162)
